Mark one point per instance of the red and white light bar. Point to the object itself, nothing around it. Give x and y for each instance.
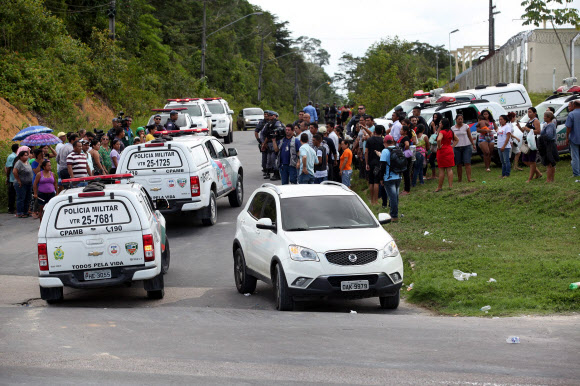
(448, 99)
(421, 93)
(99, 178)
(212, 99)
(183, 100)
(168, 110)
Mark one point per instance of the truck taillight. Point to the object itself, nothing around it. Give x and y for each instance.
(195, 188)
(148, 248)
(42, 257)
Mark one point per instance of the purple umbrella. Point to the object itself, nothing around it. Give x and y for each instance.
(41, 140)
(29, 131)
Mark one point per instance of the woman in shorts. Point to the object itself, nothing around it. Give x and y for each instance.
(45, 185)
(463, 151)
(529, 159)
(486, 130)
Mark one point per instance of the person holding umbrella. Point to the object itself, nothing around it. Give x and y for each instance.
(45, 186)
(23, 177)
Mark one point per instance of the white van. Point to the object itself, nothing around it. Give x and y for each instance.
(510, 96)
(101, 236)
(186, 173)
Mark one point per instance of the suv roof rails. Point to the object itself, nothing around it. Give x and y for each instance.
(271, 186)
(481, 86)
(572, 97)
(501, 84)
(335, 184)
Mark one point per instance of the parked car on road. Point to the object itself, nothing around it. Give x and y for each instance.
(251, 116)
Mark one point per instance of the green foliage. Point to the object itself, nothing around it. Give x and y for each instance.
(538, 11)
(523, 235)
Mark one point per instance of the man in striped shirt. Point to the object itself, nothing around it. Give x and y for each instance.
(76, 162)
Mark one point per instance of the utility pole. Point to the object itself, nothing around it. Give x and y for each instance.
(491, 47)
(437, 65)
(111, 13)
(295, 85)
(203, 42)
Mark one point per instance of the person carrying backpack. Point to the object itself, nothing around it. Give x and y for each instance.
(393, 163)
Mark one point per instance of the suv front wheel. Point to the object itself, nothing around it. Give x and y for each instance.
(390, 302)
(284, 301)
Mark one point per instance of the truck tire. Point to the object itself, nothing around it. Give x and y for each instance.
(236, 198)
(52, 295)
(165, 257)
(210, 212)
(228, 137)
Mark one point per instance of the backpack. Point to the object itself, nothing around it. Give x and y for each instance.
(397, 161)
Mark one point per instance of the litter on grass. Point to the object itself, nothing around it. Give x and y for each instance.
(426, 233)
(485, 309)
(410, 286)
(492, 280)
(513, 339)
(458, 275)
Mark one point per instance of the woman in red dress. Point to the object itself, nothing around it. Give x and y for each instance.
(445, 156)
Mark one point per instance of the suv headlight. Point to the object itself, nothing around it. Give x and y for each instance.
(390, 250)
(298, 253)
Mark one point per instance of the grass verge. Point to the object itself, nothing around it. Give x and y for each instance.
(526, 236)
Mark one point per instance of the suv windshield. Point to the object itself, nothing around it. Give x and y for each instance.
(216, 108)
(194, 110)
(320, 212)
(253, 112)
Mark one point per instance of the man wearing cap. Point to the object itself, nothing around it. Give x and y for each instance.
(270, 145)
(312, 111)
(170, 124)
(62, 137)
(257, 130)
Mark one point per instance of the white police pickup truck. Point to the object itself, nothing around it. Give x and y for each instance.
(186, 173)
(101, 235)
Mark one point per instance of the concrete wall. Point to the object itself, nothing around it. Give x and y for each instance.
(540, 53)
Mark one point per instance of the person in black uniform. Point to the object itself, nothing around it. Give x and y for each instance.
(170, 124)
(257, 131)
(268, 148)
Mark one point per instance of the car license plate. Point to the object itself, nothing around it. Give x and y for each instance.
(356, 285)
(98, 275)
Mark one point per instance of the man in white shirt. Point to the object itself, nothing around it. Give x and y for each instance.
(395, 130)
(62, 137)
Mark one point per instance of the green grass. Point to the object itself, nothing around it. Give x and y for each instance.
(539, 97)
(526, 236)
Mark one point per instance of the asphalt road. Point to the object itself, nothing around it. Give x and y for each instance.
(203, 331)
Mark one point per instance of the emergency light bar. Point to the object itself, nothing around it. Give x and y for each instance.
(168, 110)
(446, 99)
(421, 93)
(212, 99)
(106, 177)
(183, 100)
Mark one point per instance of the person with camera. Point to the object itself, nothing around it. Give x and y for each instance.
(355, 119)
(257, 131)
(270, 135)
(287, 156)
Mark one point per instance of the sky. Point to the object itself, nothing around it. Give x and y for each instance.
(353, 26)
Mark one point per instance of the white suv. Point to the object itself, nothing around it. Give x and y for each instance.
(315, 241)
(222, 121)
(186, 173)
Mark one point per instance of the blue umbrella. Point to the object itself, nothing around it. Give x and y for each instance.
(31, 130)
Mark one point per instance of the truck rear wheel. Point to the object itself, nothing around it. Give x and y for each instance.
(165, 257)
(210, 212)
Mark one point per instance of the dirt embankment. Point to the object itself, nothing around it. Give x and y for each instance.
(92, 110)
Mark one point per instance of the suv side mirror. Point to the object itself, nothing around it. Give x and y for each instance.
(208, 114)
(230, 112)
(266, 223)
(384, 218)
(232, 152)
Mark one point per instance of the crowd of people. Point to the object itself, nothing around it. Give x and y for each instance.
(29, 177)
(309, 153)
